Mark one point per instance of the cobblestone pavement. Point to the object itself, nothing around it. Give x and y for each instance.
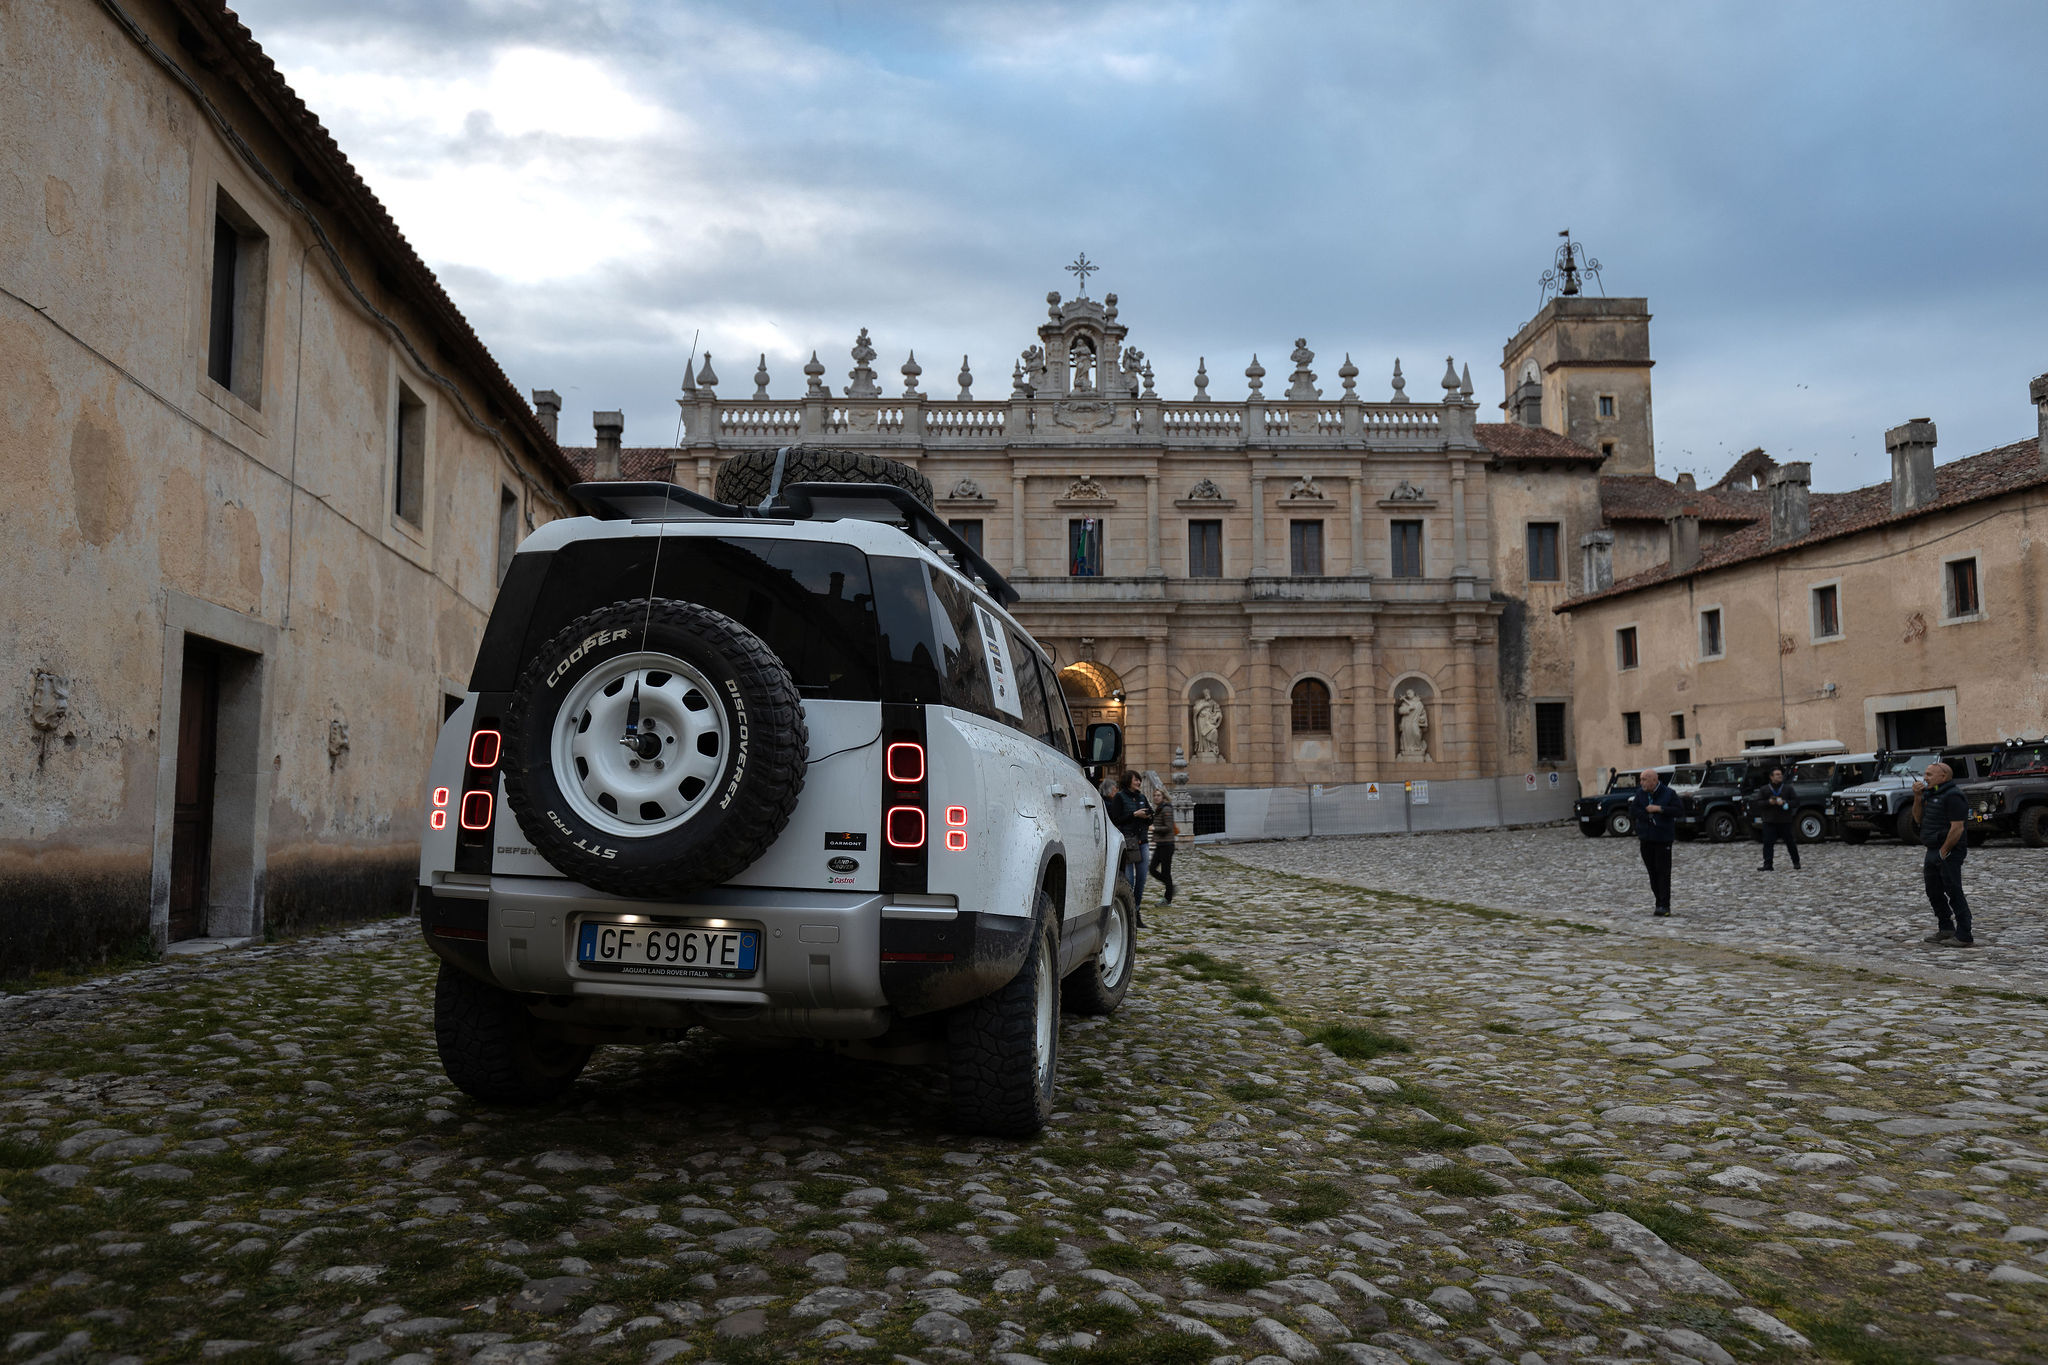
(1328, 1125)
(1859, 906)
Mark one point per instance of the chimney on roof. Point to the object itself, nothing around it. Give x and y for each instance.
(1685, 537)
(547, 406)
(2038, 391)
(610, 427)
(1687, 484)
(1596, 553)
(1912, 449)
(1791, 485)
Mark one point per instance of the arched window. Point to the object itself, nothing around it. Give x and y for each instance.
(1311, 707)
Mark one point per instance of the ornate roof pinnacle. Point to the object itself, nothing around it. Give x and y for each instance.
(761, 377)
(1450, 379)
(707, 380)
(1348, 372)
(1400, 384)
(1255, 373)
(911, 370)
(1202, 377)
(966, 381)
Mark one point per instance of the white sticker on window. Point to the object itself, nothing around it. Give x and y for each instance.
(995, 646)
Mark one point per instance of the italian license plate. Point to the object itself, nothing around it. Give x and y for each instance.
(667, 950)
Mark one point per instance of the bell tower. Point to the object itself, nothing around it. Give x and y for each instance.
(1581, 366)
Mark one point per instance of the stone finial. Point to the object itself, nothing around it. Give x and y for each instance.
(1052, 304)
(1465, 384)
(1147, 372)
(863, 374)
(1450, 379)
(966, 377)
(1109, 307)
(1400, 384)
(1301, 384)
(1018, 387)
(761, 377)
(1348, 372)
(1255, 376)
(707, 379)
(1201, 378)
(547, 408)
(911, 370)
(1912, 450)
(814, 377)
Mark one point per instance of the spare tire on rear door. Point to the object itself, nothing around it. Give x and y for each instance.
(744, 478)
(654, 748)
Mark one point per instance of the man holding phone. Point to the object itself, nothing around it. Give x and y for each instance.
(1940, 810)
(1655, 807)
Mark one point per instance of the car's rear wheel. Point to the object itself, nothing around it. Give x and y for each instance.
(1812, 829)
(1722, 826)
(653, 748)
(744, 478)
(2033, 826)
(1621, 823)
(493, 1049)
(1003, 1049)
(1097, 986)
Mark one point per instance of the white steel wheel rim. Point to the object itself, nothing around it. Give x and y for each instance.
(607, 785)
(1047, 1021)
(1116, 946)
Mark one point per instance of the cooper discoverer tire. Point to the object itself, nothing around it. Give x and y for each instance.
(1098, 985)
(709, 791)
(1621, 823)
(1003, 1050)
(744, 477)
(493, 1049)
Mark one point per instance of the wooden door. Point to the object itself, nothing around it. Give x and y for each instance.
(192, 816)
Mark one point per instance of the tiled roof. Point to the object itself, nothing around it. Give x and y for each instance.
(1512, 441)
(635, 462)
(1995, 473)
(1645, 497)
(325, 176)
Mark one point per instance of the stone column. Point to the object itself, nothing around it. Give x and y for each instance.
(1459, 563)
(1258, 714)
(1358, 522)
(1152, 565)
(1158, 706)
(1019, 560)
(1258, 523)
(1365, 706)
(1465, 699)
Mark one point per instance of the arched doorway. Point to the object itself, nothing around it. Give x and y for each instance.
(1094, 692)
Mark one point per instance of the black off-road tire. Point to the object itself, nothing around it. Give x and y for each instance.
(1905, 828)
(744, 477)
(757, 781)
(494, 1050)
(1093, 989)
(1621, 823)
(1812, 826)
(2033, 826)
(1722, 826)
(1855, 836)
(1002, 1085)
(1592, 831)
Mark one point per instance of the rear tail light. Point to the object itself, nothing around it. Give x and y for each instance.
(439, 819)
(476, 810)
(905, 763)
(956, 828)
(484, 746)
(905, 827)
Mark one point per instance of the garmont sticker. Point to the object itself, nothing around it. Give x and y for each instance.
(857, 842)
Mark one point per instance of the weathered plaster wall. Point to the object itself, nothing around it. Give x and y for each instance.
(1535, 644)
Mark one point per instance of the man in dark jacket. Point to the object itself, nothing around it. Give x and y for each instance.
(1774, 817)
(1655, 807)
(1131, 813)
(1940, 810)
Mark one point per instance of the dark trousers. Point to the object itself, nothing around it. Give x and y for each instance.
(1775, 833)
(1944, 878)
(1657, 860)
(1162, 868)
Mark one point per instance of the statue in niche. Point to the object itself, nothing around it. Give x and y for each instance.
(1205, 490)
(1207, 715)
(1405, 491)
(1305, 487)
(1084, 366)
(1411, 723)
(966, 488)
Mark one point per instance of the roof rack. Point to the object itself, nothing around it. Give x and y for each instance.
(623, 500)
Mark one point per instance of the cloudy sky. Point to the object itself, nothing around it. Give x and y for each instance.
(1836, 210)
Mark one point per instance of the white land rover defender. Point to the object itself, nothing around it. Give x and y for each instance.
(781, 766)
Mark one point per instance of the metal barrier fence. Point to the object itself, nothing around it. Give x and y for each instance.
(1396, 807)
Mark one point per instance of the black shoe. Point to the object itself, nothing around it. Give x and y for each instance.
(1662, 912)
(1939, 936)
(1767, 868)
(1953, 942)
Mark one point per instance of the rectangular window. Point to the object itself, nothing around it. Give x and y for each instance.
(508, 530)
(1678, 725)
(1607, 405)
(1084, 547)
(1632, 727)
(235, 298)
(1963, 598)
(1406, 538)
(1031, 692)
(1710, 634)
(1625, 648)
(1205, 549)
(969, 530)
(1305, 549)
(1550, 732)
(1543, 552)
(1607, 450)
(1827, 612)
(409, 457)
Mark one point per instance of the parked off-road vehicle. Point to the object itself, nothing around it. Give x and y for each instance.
(1884, 805)
(782, 766)
(1818, 779)
(2012, 798)
(1609, 812)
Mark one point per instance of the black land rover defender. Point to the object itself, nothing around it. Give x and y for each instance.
(2013, 796)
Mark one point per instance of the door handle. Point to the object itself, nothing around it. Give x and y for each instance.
(1057, 790)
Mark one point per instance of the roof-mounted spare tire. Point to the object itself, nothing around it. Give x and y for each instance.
(744, 478)
(654, 748)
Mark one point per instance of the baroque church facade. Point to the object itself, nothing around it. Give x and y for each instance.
(1306, 586)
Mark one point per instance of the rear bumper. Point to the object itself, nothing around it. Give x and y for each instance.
(832, 964)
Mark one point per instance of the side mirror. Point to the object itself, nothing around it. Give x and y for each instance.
(1105, 743)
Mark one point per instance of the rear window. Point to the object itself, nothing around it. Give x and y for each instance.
(1724, 774)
